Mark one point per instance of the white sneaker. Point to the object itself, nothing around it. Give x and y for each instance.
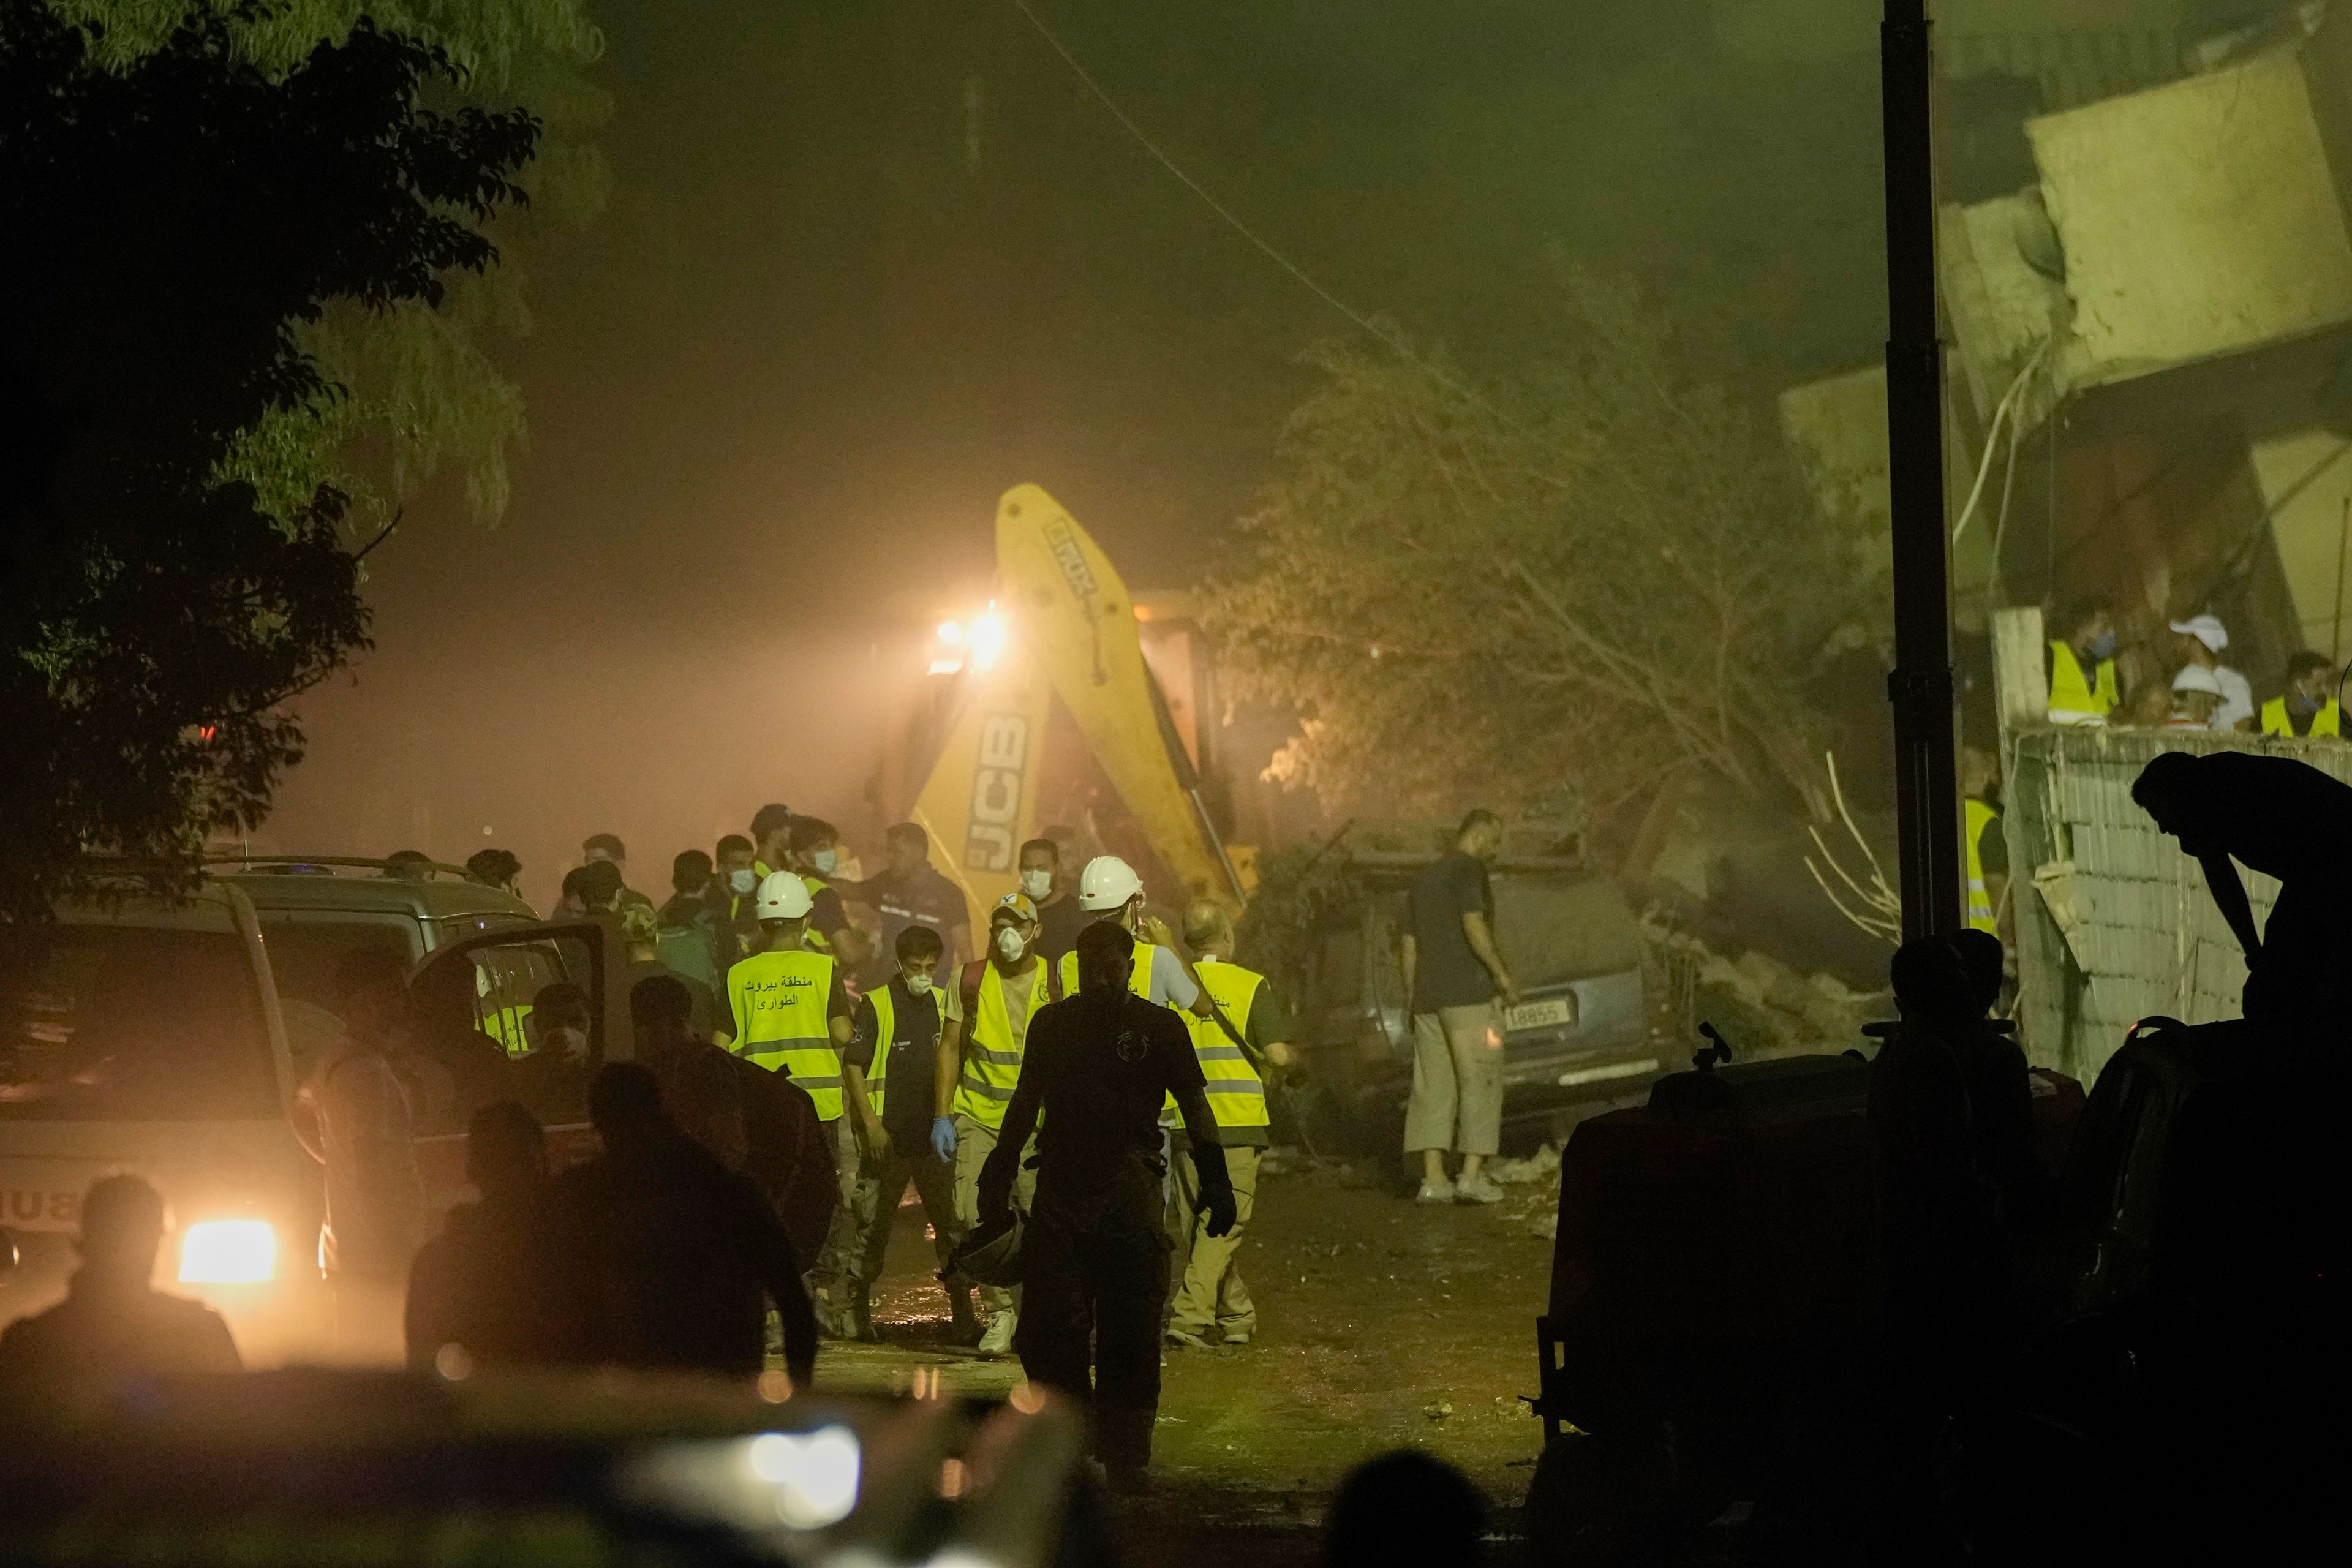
(997, 1341)
(1435, 1190)
(1477, 1189)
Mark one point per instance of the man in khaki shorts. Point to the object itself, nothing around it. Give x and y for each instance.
(1457, 988)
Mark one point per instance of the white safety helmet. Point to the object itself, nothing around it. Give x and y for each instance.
(783, 897)
(1107, 884)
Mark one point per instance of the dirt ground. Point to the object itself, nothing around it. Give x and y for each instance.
(1380, 1325)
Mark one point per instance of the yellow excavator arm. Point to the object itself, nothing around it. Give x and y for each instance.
(1070, 634)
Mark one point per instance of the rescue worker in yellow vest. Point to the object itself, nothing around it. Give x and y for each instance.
(1987, 850)
(792, 1016)
(893, 1056)
(816, 849)
(2082, 688)
(980, 1065)
(2309, 707)
(1250, 1034)
(1109, 890)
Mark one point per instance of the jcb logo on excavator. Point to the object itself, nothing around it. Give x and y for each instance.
(1071, 560)
(988, 836)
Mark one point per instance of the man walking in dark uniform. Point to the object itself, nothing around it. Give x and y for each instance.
(1094, 1257)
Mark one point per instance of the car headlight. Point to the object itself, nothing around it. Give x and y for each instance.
(227, 1252)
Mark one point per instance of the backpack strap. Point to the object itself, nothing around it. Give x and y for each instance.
(968, 985)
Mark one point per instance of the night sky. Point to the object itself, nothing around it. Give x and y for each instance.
(865, 266)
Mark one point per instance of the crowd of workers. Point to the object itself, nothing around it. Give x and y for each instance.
(2182, 683)
(808, 1046)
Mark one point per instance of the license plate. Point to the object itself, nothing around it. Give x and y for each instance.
(1549, 1013)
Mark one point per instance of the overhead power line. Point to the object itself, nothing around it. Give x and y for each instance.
(1372, 328)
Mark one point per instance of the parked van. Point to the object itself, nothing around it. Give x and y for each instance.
(169, 1038)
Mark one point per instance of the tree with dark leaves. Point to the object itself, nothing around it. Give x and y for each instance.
(170, 224)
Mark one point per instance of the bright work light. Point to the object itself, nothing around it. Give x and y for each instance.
(227, 1252)
(815, 1475)
(987, 640)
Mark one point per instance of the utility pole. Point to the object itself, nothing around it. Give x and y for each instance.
(1920, 687)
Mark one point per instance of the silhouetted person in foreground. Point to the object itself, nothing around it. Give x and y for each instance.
(112, 1325)
(2288, 820)
(1406, 1509)
(679, 1256)
(2000, 1091)
(1943, 1254)
(495, 1283)
(1094, 1257)
(759, 1122)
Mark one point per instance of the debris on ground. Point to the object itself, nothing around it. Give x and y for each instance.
(1283, 1160)
(1437, 1410)
(1543, 1165)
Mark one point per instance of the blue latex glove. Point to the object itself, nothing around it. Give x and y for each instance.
(943, 1138)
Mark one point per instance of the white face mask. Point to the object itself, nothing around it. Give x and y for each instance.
(571, 1043)
(742, 881)
(1010, 943)
(824, 860)
(918, 984)
(1037, 884)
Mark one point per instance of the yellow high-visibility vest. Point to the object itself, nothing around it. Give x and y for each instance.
(992, 1052)
(885, 1032)
(1975, 816)
(1236, 1092)
(506, 1027)
(2073, 698)
(2328, 720)
(779, 1001)
(1138, 978)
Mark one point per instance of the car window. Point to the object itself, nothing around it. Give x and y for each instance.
(1556, 928)
(508, 978)
(107, 1023)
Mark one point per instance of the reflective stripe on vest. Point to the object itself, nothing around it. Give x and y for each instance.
(1975, 815)
(2328, 720)
(779, 1002)
(992, 1053)
(1138, 978)
(506, 1027)
(2074, 699)
(886, 1035)
(1236, 1092)
(812, 938)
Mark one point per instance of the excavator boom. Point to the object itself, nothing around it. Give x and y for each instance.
(1071, 635)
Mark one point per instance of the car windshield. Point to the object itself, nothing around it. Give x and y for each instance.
(109, 1022)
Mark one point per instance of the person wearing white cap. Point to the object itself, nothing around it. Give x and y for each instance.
(2196, 698)
(2203, 638)
(1109, 890)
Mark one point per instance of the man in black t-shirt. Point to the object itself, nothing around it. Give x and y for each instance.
(1453, 976)
(901, 1023)
(1094, 1259)
(910, 891)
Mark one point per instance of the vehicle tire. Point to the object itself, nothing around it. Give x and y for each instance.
(1603, 1500)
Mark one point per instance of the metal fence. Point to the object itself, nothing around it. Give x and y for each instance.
(2113, 922)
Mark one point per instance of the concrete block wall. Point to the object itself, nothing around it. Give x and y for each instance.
(2113, 922)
